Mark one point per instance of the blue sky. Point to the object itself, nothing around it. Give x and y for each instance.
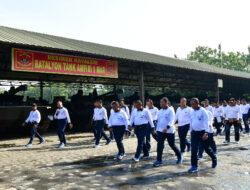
(164, 27)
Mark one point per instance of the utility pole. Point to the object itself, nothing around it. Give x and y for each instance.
(41, 90)
(141, 83)
(219, 47)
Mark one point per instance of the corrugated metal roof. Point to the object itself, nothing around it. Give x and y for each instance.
(16, 36)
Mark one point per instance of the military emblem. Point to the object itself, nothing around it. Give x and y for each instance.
(111, 68)
(24, 60)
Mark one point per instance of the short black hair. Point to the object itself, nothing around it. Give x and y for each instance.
(99, 101)
(122, 100)
(138, 102)
(183, 98)
(115, 103)
(149, 100)
(165, 99)
(194, 99)
(231, 100)
(59, 101)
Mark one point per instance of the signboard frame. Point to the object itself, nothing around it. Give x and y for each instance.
(43, 62)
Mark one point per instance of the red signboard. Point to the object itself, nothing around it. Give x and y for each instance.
(32, 61)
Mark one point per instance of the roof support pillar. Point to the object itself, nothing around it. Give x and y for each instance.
(41, 90)
(141, 84)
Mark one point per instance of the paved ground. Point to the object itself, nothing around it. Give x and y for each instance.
(79, 166)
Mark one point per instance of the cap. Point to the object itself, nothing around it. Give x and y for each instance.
(34, 104)
(231, 100)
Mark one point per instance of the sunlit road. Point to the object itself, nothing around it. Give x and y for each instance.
(79, 166)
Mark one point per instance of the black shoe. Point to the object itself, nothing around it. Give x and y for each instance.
(108, 142)
(41, 141)
(145, 157)
(214, 164)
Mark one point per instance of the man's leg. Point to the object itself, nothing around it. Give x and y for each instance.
(32, 133)
(201, 150)
(183, 130)
(63, 135)
(160, 145)
(220, 127)
(237, 131)
(140, 134)
(63, 127)
(111, 135)
(37, 134)
(148, 136)
(194, 148)
(94, 129)
(171, 142)
(245, 120)
(155, 135)
(186, 129)
(240, 127)
(118, 135)
(98, 132)
(182, 138)
(59, 130)
(146, 145)
(102, 126)
(217, 126)
(105, 135)
(212, 143)
(208, 149)
(121, 135)
(228, 126)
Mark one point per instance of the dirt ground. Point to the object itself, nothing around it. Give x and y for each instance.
(79, 166)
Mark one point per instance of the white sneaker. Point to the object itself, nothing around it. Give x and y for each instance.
(96, 146)
(119, 157)
(61, 145)
(183, 153)
(136, 159)
(28, 145)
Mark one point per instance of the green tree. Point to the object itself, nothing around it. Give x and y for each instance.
(230, 60)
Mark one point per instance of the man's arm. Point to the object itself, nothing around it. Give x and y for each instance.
(149, 118)
(110, 124)
(127, 111)
(132, 119)
(125, 119)
(171, 117)
(38, 117)
(106, 116)
(240, 113)
(157, 111)
(93, 115)
(28, 119)
(206, 117)
(56, 113)
(176, 116)
(67, 115)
